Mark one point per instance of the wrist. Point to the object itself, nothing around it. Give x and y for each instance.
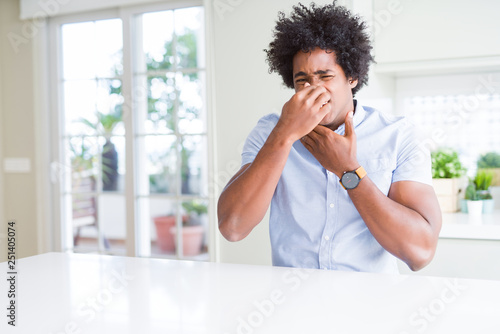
(282, 136)
(348, 168)
(351, 179)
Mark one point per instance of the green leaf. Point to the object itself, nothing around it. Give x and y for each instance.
(489, 160)
(446, 164)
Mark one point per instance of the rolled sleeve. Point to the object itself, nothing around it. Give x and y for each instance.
(414, 158)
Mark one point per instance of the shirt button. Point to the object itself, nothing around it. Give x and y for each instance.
(332, 205)
(327, 238)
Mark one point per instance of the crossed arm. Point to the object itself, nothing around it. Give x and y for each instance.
(406, 222)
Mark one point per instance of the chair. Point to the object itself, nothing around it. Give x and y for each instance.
(85, 212)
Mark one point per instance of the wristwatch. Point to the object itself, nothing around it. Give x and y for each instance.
(350, 180)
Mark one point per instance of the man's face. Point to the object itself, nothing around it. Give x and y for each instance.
(319, 68)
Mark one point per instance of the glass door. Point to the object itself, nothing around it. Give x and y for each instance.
(165, 117)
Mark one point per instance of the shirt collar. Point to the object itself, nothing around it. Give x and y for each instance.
(359, 116)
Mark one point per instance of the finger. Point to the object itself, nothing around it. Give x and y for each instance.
(317, 95)
(304, 87)
(349, 124)
(306, 90)
(320, 133)
(320, 130)
(311, 138)
(315, 92)
(322, 99)
(307, 142)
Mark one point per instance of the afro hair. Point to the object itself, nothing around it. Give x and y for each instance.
(330, 28)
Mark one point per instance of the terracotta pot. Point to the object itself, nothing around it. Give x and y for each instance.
(192, 239)
(164, 238)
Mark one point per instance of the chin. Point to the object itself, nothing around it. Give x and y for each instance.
(327, 120)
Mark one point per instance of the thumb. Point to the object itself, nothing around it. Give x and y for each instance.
(349, 124)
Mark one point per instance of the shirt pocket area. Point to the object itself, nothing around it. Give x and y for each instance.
(380, 172)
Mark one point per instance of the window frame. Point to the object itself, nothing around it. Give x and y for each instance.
(55, 106)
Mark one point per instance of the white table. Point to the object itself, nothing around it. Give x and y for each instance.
(75, 293)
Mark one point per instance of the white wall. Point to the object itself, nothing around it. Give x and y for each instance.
(428, 29)
(17, 130)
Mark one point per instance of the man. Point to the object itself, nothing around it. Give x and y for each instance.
(349, 187)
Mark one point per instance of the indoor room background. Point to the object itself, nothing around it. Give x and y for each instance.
(430, 56)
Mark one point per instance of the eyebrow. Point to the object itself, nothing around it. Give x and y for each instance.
(300, 74)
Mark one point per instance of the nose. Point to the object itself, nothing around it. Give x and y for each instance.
(314, 81)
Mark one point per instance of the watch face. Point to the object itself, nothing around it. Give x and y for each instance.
(350, 180)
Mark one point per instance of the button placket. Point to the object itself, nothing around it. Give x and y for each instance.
(325, 242)
(336, 190)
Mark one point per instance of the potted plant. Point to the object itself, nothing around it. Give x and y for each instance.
(104, 126)
(491, 162)
(164, 237)
(193, 229)
(482, 181)
(474, 204)
(447, 172)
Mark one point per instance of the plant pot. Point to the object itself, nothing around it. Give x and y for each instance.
(164, 238)
(488, 205)
(192, 239)
(463, 206)
(495, 193)
(109, 162)
(475, 208)
(447, 192)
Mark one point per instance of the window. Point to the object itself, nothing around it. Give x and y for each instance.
(471, 129)
(461, 111)
(162, 121)
(171, 133)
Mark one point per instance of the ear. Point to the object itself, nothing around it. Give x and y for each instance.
(353, 83)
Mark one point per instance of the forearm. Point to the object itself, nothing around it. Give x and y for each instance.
(245, 200)
(400, 229)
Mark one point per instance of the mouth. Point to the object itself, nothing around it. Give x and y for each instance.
(325, 103)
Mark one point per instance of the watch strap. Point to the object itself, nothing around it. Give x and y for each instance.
(361, 172)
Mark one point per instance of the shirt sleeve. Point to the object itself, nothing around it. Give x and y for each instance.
(414, 158)
(257, 138)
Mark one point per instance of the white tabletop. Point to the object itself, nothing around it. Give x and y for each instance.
(75, 293)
